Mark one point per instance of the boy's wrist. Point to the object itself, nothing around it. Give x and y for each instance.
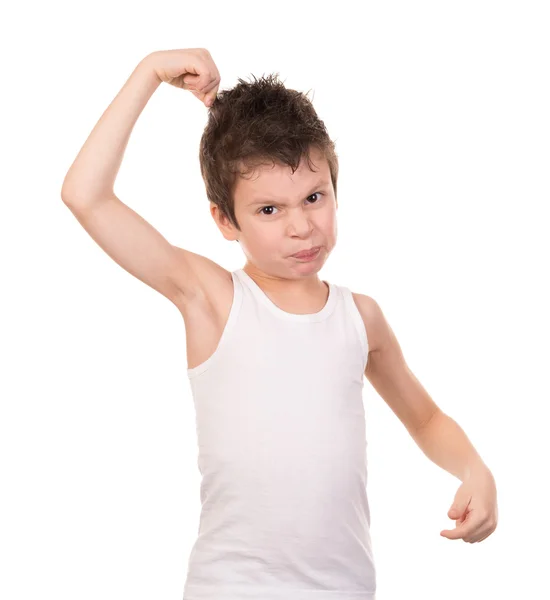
(477, 468)
(146, 65)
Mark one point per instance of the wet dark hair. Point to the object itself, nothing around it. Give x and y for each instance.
(255, 123)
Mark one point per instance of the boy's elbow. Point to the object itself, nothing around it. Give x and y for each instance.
(67, 194)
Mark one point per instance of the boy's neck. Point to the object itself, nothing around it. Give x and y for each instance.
(310, 284)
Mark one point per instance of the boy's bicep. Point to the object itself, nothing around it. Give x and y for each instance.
(136, 246)
(390, 375)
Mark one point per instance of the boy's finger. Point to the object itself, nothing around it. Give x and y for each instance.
(207, 88)
(212, 96)
(209, 100)
(453, 534)
(190, 79)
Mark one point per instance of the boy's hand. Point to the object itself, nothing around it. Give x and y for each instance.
(474, 508)
(190, 69)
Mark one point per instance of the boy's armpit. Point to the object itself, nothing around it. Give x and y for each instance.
(199, 277)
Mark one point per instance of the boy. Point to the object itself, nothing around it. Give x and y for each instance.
(276, 356)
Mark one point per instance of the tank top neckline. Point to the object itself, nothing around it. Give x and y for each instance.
(262, 297)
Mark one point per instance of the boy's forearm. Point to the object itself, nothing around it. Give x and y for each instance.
(445, 443)
(96, 166)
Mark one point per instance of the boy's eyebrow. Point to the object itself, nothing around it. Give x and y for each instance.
(266, 199)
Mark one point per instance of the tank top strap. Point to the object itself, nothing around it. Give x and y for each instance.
(357, 319)
(234, 311)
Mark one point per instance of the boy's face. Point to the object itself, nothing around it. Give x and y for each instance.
(281, 213)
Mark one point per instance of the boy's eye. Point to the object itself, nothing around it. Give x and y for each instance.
(271, 206)
(264, 208)
(316, 194)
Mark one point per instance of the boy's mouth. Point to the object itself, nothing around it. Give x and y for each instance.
(307, 253)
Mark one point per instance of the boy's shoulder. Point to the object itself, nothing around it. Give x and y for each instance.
(371, 315)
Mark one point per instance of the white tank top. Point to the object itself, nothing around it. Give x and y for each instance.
(282, 453)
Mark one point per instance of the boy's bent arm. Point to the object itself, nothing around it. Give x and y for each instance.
(92, 174)
(88, 192)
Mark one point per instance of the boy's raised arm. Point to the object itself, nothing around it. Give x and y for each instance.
(88, 188)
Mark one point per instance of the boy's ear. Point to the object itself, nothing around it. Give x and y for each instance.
(223, 223)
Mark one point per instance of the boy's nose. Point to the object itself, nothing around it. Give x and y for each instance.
(299, 225)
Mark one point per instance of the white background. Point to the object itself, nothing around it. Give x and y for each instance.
(440, 115)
